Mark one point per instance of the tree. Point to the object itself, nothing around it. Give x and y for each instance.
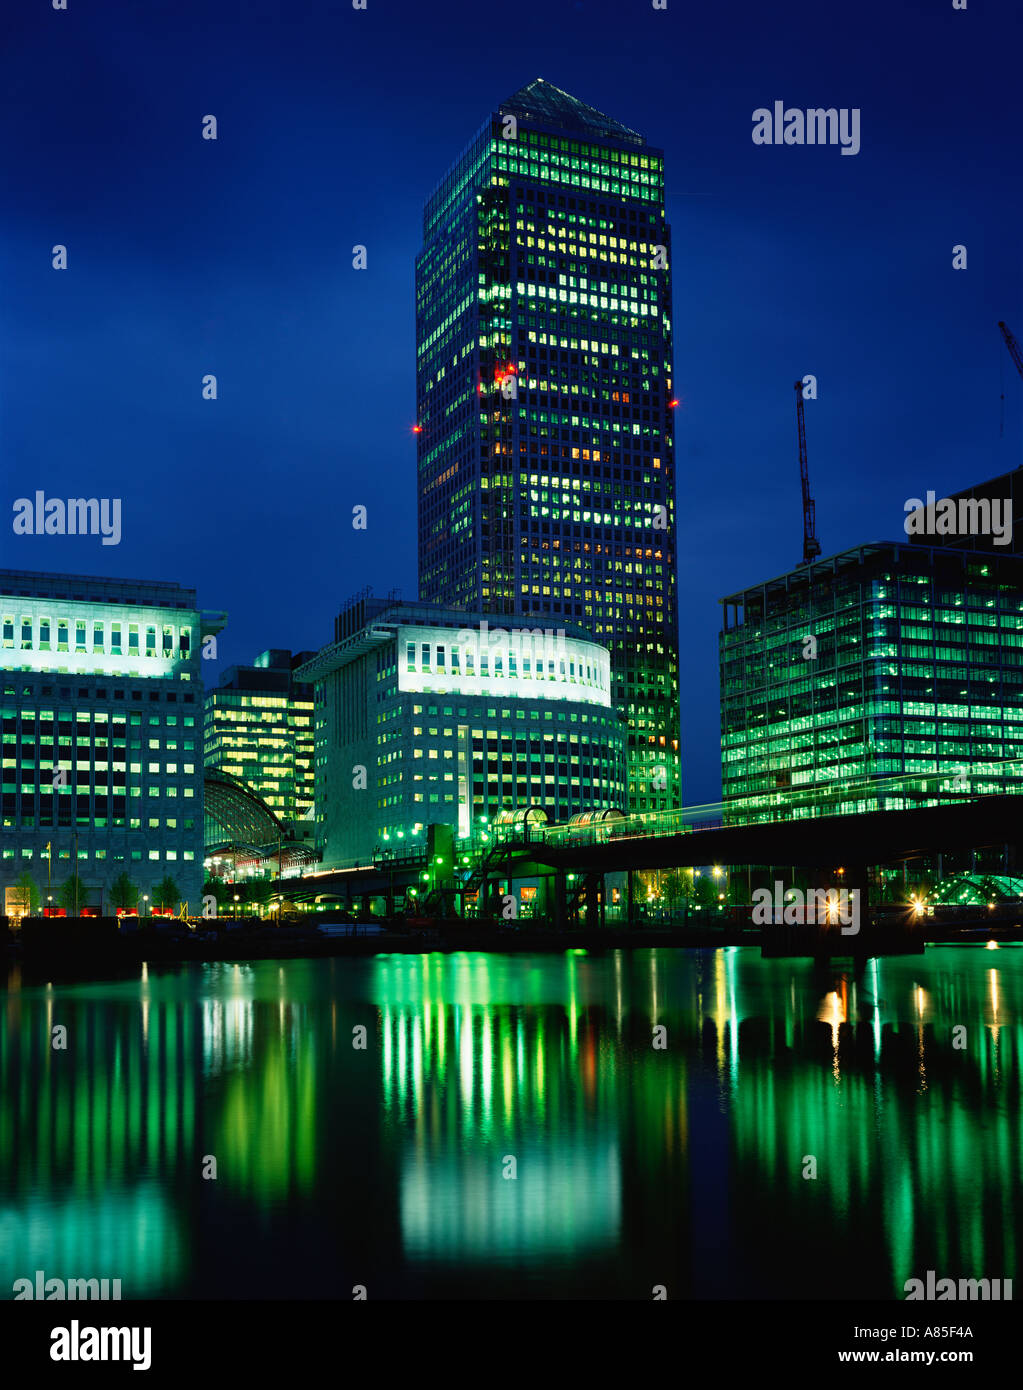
(166, 893)
(706, 893)
(123, 893)
(217, 888)
(71, 895)
(28, 893)
(672, 887)
(259, 891)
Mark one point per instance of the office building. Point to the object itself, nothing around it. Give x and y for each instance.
(259, 729)
(987, 517)
(545, 400)
(426, 715)
(102, 733)
(882, 664)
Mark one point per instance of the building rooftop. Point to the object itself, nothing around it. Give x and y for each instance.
(273, 670)
(873, 550)
(96, 588)
(369, 622)
(546, 104)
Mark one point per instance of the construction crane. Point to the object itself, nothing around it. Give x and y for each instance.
(811, 545)
(1012, 345)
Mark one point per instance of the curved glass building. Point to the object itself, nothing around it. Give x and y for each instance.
(426, 715)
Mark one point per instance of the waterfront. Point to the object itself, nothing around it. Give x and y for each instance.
(340, 1166)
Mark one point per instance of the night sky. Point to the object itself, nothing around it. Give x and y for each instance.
(234, 257)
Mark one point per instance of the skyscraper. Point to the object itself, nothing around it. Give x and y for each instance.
(546, 466)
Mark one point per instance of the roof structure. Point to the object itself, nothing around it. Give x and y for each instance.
(543, 102)
(235, 815)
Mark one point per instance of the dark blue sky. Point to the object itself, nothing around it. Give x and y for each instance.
(234, 257)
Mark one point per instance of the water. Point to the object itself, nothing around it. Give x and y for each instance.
(634, 1166)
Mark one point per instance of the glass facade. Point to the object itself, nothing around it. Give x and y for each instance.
(917, 669)
(544, 400)
(259, 728)
(101, 719)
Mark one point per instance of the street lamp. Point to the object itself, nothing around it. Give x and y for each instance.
(236, 900)
(145, 902)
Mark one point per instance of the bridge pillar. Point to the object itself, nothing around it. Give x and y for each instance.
(594, 900)
(560, 890)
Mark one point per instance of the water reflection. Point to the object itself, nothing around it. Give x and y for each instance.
(510, 1126)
